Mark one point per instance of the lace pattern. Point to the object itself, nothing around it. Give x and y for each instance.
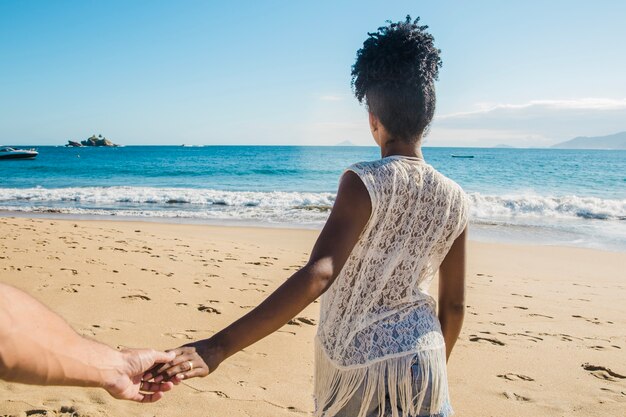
(378, 309)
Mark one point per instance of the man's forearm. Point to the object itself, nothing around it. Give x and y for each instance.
(39, 347)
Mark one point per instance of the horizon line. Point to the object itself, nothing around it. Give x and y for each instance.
(500, 146)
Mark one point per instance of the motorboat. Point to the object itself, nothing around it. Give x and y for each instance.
(12, 153)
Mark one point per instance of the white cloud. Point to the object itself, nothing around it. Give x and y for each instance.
(579, 104)
(534, 123)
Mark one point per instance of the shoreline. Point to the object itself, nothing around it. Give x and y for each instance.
(485, 233)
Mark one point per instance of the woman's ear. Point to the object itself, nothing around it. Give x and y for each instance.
(373, 122)
(374, 126)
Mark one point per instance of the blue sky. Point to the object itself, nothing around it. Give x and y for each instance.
(526, 73)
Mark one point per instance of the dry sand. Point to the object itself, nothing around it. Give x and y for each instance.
(545, 331)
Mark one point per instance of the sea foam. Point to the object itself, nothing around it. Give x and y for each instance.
(290, 206)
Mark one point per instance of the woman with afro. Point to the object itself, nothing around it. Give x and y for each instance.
(382, 343)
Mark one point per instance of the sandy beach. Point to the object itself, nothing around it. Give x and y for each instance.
(545, 330)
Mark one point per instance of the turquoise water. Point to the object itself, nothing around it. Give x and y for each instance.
(545, 195)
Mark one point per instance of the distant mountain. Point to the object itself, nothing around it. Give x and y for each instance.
(345, 143)
(503, 146)
(615, 141)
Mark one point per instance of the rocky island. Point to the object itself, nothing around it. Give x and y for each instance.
(92, 141)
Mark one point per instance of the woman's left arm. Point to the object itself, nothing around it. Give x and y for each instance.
(347, 220)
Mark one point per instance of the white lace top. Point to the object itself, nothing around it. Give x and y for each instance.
(378, 318)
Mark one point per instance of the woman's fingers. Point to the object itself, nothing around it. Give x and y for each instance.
(162, 365)
(150, 373)
(181, 355)
(179, 364)
(189, 374)
(185, 364)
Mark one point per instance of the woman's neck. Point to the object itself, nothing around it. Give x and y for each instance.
(398, 147)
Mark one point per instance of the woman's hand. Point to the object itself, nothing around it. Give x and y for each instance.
(194, 360)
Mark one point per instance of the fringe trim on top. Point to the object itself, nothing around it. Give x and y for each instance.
(389, 379)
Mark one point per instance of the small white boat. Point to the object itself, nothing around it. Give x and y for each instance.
(11, 153)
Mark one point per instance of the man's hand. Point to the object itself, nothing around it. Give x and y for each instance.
(125, 383)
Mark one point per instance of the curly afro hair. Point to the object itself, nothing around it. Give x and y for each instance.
(395, 73)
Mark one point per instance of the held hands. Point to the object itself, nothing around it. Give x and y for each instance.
(125, 382)
(193, 360)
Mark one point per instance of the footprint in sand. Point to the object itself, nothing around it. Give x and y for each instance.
(220, 394)
(593, 321)
(63, 411)
(137, 297)
(246, 384)
(208, 309)
(597, 347)
(96, 328)
(72, 288)
(540, 315)
(602, 372)
(298, 321)
(248, 289)
(493, 341)
(623, 393)
(516, 397)
(258, 263)
(179, 335)
(564, 337)
(515, 377)
(526, 334)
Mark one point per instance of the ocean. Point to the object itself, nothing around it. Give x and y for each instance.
(544, 196)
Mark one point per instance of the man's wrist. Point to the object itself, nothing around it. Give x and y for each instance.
(107, 364)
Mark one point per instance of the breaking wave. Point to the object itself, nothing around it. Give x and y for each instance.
(283, 207)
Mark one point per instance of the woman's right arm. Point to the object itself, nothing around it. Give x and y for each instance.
(452, 292)
(350, 214)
